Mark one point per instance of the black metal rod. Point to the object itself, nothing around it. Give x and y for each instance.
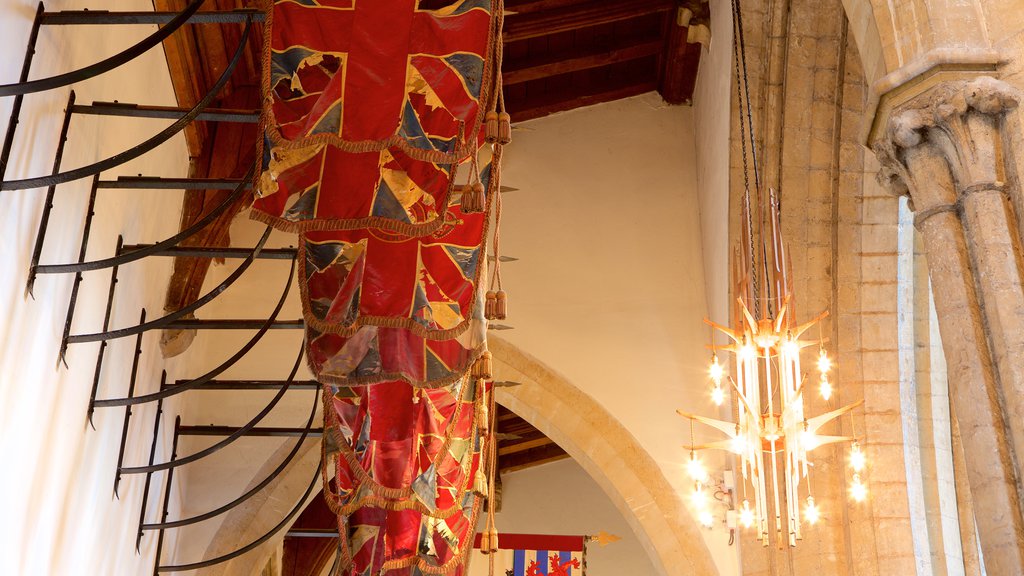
(180, 313)
(283, 432)
(93, 17)
(106, 326)
(44, 218)
(128, 110)
(26, 66)
(199, 252)
(157, 183)
(108, 402)
(152, 457)
(238, 385)
(154, 248)
(248, 494)
(255, 543)
(235, 324)
(167, 497)
(312, 533)
(244, 430)
(31, 86)
(151, 143)
(73, 300)
(128, 409)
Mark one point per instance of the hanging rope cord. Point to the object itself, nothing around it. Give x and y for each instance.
(747, 134)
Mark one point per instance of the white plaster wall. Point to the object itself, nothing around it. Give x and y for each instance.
(55, 491)
(610, 287)
(711, 108)
(560, 498)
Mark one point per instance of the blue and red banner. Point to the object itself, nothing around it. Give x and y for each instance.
(533, 555)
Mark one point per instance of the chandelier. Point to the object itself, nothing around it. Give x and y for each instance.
(773, 434)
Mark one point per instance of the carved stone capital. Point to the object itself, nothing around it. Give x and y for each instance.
(956, 120)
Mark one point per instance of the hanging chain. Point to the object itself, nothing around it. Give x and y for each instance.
(739, 53)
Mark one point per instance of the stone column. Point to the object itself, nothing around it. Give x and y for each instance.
(941, 148)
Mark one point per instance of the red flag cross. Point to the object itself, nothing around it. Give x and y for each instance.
(378, 39)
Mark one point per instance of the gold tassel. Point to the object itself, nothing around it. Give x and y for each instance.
(472, 198)
(483, 366)
(485, 542)
(500, 305)
(491, 127)
(504, 128)
(492, 540)
(490, 307)
(480, 483)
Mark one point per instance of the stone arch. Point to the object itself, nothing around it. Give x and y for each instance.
(607, 451)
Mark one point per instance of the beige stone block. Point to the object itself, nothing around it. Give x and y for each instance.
(880, 331)
(878, 268)
(880, 210)
(879, 297)
(880, 238)
(883, 426)
(879, 365)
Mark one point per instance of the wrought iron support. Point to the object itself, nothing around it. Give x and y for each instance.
(158, 183)
(127, 110)
(106, 326)
(164, 524)
(128, 408)
(200, 252)
(180, 313)
(131, 256)
(73, 300)
(238, 385)
(43, 84)
(255, 543)
(97, 17)
(151, 143)
(26, 66)
(44, 219)
(152, 458)
(234, 324)
(167, 497)
(272, 432)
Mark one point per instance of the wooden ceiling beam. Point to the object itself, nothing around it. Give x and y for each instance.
(574, 17)
(548, 68)
(531, 458)
(529, 113)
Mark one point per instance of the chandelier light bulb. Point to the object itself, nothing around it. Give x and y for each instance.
(716, 371)
(857, 458)
(695, 468)
(717, 395)
(809, 440)
(858, 491)
(747, 351)
(746, 515)
(811, 511)
(825, 388)
(792, 347)
(737, 444)
(706, 518)
(824, 362)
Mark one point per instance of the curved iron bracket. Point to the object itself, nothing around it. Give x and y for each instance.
(255, 543)
(228, 440)
(180, 313)
(132, 153)
(104, 65)
(153, 249)
(131, 401)
(263, 484)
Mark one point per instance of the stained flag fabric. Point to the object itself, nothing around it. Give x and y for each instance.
(372, 134)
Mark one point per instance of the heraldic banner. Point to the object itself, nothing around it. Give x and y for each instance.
(532, 555)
